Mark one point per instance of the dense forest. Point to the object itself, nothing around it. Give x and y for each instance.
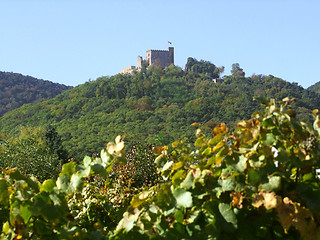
(155, 105)
(315, 87)
(17, 89)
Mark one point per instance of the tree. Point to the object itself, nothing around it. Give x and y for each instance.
(34, 152)
(55, 143)
(204, 67)
(237, 70)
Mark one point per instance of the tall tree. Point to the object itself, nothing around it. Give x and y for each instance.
(237, 70)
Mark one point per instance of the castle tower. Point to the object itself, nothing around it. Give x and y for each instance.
(139, 64)
(164, 58)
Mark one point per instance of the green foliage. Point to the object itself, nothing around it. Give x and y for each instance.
(17, 90)
(139, 170)
(36, 151)
(259, 182)
(237, 70)
(256, 182)
(54, 142)
(204, 67)
(315, 87)
(151, 103)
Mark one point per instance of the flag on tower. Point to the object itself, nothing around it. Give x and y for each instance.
(169, 42)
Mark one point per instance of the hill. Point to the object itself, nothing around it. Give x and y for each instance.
(17, 89)
(315, 87)
(153, 106)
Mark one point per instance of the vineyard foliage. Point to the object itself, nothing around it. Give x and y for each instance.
(256, 182)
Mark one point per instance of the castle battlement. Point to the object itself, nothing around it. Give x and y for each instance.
(154, 50)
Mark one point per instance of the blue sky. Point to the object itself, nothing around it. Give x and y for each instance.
(72, 41)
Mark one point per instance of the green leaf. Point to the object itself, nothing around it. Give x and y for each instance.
(167, 166)
(6, 227)
(253, 177)
(98, 168)
(274, 184)
(87, 161)
(199, 142)
(183, 197)
(227, 184)
(25, 213)
(68, 168)
(228, 214)
(270, 139)
(4, 193)
(178, 165)
(105, 157)
(48, 185)
(188, 181)
(179, 216)
(207, 151)
(177, 177)
(242, 164)
(63, 183)
(136, 201)
(76, 182)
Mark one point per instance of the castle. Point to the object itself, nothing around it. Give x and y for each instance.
(163, 58)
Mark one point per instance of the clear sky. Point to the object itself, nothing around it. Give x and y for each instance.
(72, 41)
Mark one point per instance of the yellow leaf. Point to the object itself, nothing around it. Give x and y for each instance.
(236, 199)
(177, 165)
(220, 129)
(270, 200)
(293, 214)
(286, 99)
(175, 144)
(195, 124)
(315, 111)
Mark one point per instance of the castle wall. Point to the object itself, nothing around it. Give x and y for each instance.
(128, 70)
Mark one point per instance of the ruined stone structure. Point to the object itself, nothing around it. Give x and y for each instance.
(129, 70)
(162, 58)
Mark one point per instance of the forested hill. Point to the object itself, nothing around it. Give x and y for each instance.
(153, 106)
(315, 87)
(17, 89)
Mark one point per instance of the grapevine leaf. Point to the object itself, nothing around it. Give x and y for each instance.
(273, 184)
(76, 182)
(253, 177)
(63, 182)
(178, 165)
(68, 168)
(105, 157)
(228, 214)
(183, 197)
(4, 193)
(87, 161)
(188, 181)
(167, 166)
(179, 216)
(227, 184)
(48, 185)
(25, 213)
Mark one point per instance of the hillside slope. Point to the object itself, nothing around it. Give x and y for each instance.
(315, 87)
(153, 106)
(17, 89)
